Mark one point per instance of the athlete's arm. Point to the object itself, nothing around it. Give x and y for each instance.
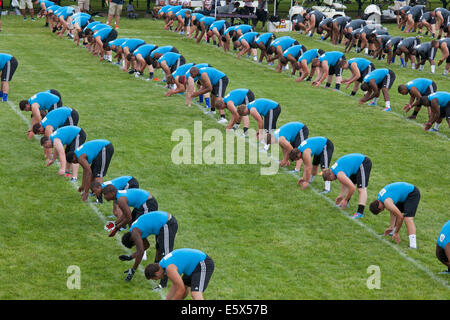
(87, 176)
(61, 155)
(177, 290)
(306, 156)
(206, 86)
(126, 217)
(257, 117)
(286, 147)
(348, 184)
(140, 248)
(392, 208)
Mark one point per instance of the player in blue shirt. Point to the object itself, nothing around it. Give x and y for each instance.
(204, 24)
(379, 79)
(443, 246)
(177, 79)
(127, 48)
(71, 137)
(292, 54)
(100, 40)
(139, 59)
(352, 171)
(217, 29)
(416, 88)
(322, 149)
(55, 119)
(169, 63)
(329, 64)
(141, 201)
(235, 98)
(288, 137)
(303, 61)
(94, 157)
(263, 42)
(195, 266)
(439, 103)
(277, 47)
(8, 66)
(359, 68)
(121, 183)
(163, 226)
(262, 108)
(401, 199)
(246, 44)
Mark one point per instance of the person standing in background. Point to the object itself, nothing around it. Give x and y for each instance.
(115, 9)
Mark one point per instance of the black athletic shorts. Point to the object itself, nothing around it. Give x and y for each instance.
(361, 178)
(335, 70)
(301, 136)
(149, 206)
(199, 279)
(100, 164)
(432, 88)
(174, 50)
(324, 158)
(388, 81)
(220, 87)
(445, 112)
(9, 69)
(270, 119)
(57, 105)
(249, 97)
(365, 72)
(132, 184)
(78, 141)
(166, 238)
(72, 120)
(111, 36)
(442, 256)
(181, 60)
(409, 206)
(188, 21)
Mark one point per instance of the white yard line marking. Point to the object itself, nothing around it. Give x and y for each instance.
(91, 204)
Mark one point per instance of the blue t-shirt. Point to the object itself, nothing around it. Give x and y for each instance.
(144, 50)
(237, 96)
(118, 42)
(421, 84)
(264, 38)
(119, 183)
(161, 50)
(98, 27)
(46, 3)
(309, 56)
(91, 148)
(332, 57)
(217, 24)
(397, 191)
(53, 8)
(289, 131)
(132, 44)
(174, 9)
(262, 105)
(91, 25)
(442, 97)
(56, 118)
(150, 224)
(186, 260)
(378, 75)
(4, 58)
(170, 58)
(207, 21)
(444, 236)
(294, 50)
(197, 16)
(361, 63)
(182, 13)
(45, 100)
(103, 33)
(164, 9)
(213, 74)
(349, 164)
(82, 20)
(315, 144)
(284, 42)
(244, 28)
(249, 37)
(65, 134)
(136, 197)
(181, 71)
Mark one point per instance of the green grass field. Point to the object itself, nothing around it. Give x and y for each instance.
(269, 240)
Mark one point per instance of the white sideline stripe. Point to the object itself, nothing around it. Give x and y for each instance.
(91, 204)
(417, 264)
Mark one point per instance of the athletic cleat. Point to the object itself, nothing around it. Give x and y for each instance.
(445, 272)
(373, 104)
(412, 117)
(433, 130)
(222, 120)
(325, 191)
(158, 287)
(74, 180)
(387, 109)
(358, 215)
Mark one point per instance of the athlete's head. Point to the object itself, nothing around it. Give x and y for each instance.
(194, 72)
(38, 129)
(295, 154)
(220, 104)
(71, 157)
(345, 64)
(283, 61)
(154, 271)
(110, 192)
(130, 57)
(24, 105)
(46, 142)
(126, 240)
(328, 175)
(182, 79)
(242, 110)
(435, 44)
(315, 62)
(364, 86)
(96, 188)
(402, 89)
(209, 33)
(376, 207)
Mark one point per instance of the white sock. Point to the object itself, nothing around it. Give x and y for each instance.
(144, 257)
(412, 241)
(375, 100)
(421, 67)
(437, 125)
(433, 68)
(366, 50)
(388, 104)
(311, 179)
(413, 65)
(328, 185)
(445, 72)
